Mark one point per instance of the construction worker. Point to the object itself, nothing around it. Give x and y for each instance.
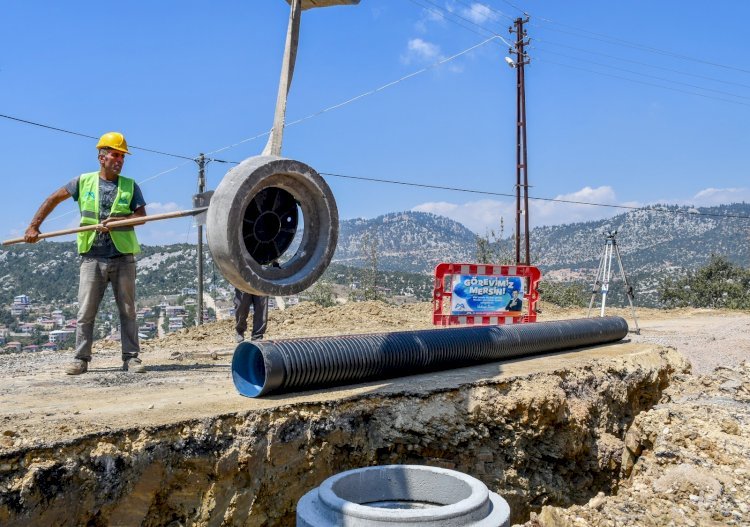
(107, 256)
(242, 303)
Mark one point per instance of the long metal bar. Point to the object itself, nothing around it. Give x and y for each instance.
(629, 289)
(519, 80)
(607, 274)
(263, 367)
(597, 280)
(119, 223)
(201, 189)
(524, 157)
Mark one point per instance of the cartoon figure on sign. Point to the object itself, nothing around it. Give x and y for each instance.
(515, 304)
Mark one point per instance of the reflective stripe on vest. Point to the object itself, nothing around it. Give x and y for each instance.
(123, 238)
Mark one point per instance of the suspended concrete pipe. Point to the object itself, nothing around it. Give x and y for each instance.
(261, 368)
(252, 220)
(404, 496)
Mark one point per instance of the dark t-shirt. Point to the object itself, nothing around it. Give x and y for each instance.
(103, 246)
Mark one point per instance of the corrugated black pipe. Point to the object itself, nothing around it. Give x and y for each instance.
(260, 368)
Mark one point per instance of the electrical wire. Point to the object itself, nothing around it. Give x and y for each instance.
(641, 74)
(616, 40)
(442, 12)
(292, 123)
(614, 67)
(25, 121)
(490, 8)
(622, 42)
(362, 95)
(642, 82)
(406, 77)
(536, 198)
(640, 63)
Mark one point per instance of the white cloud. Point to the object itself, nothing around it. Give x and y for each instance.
(479, 13)
(483, 215)
(160, 208)
(557, 212)
(428, 17)
(479, 216)
(170, 231)
(717, 196)
(418, 50)
(162, 232)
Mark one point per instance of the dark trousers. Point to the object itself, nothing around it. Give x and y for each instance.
(242, 303)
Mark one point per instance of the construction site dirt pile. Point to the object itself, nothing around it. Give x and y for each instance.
(548, 433)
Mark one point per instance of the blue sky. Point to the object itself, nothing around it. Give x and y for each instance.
(627, 102)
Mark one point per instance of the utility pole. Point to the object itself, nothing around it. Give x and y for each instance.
(201, 190)
(522, 175)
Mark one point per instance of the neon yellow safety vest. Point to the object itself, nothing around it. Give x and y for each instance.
(88, 202)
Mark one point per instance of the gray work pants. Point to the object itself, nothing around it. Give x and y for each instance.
(242, 303)
(95, 274)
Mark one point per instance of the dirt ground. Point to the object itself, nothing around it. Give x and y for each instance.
(189, 378)
(189, 371)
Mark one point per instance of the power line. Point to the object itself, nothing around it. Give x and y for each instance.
(25, 121)
(642, 82)
(490, 8)
(640, 63)
(365, 94)
(614, 67)
(442, 12)
(325, 110)
(620, 41)
(643, 74)
(508, 195)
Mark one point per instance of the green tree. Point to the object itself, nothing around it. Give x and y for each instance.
(37, 337)
(564, 294)
(370, 275)
(191, 317)
(322, 294)
(492, 249)
(718, 284)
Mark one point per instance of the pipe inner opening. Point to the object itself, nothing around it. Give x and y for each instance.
(269, 224)
(401, 489)
(248, 369)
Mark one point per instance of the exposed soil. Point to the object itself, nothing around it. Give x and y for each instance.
(189, 379)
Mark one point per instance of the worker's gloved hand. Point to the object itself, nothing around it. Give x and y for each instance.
(31, 235)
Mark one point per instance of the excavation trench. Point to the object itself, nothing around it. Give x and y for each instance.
(550, 437)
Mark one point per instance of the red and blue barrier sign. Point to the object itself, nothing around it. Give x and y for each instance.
(483, 294)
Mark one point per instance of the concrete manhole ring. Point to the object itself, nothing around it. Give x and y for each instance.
(227, 215)
(404, 495)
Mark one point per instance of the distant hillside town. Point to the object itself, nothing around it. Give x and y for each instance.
(29, 325)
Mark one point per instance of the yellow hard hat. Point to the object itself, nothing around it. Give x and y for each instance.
(113, 140)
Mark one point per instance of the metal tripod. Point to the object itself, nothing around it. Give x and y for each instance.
(601, 284)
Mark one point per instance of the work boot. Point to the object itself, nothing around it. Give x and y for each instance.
(77, 367)
(256, 337)
(239, 337)
(134, 365)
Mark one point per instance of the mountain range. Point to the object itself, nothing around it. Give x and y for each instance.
(653, 243)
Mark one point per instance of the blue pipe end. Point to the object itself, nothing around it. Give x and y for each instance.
(248, 370)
